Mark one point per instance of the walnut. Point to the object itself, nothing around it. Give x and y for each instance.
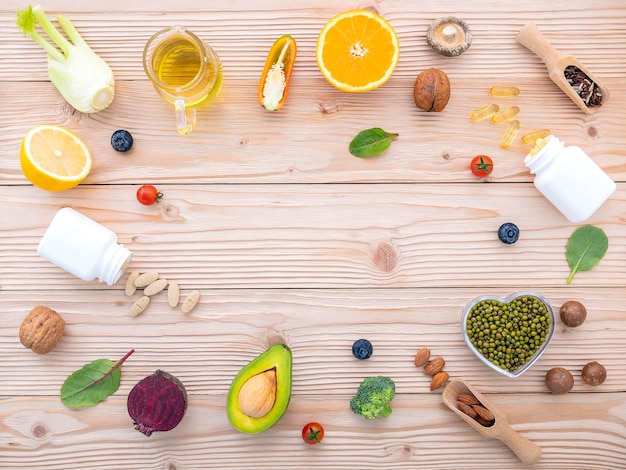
(41, 330)
(432, 90)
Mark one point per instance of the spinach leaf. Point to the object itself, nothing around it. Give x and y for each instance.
(585, 248)
(92, 383)
(371, 142)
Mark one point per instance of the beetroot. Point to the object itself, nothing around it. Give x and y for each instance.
(157, 403)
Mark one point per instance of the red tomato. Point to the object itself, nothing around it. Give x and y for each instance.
(481, 165)
(148, 195)
(313, 433)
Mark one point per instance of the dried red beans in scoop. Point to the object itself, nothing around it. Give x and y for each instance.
(157, 403)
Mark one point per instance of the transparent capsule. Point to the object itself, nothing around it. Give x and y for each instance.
(504, 91)
(539, 144)
(510, 134)
(533, 136)
(485, 112)
(505, 114)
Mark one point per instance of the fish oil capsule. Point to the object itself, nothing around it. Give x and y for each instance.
(485, 112)
(504, 91)
(539, 144)
(510, 134)
(533, 136)
(505, 114)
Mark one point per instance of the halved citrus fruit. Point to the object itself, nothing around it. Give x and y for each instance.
(357, 51)
(54, 158)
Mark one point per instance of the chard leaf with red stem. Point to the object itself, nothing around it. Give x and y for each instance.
(92, 383)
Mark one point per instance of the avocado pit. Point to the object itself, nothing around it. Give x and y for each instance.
(258, 394)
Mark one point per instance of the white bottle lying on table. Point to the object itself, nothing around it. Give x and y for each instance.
(569, 178)
(84, 247)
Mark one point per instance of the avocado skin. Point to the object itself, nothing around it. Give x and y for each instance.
(277, 357)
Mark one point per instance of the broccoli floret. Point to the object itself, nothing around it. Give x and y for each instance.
(373, 396)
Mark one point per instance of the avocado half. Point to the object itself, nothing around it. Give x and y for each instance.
(277, 357)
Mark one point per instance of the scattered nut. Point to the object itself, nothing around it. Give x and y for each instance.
(191, 301)
(41, 329)
(559, 380)
(431, 91)
(139, 306)
(146, 278)
(422, 357)
(594, 373)
(573, 313)
(155, 287)
(434, 366)
(131, 288)
(439, 379)
(173, 294)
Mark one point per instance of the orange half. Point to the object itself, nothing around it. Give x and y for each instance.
(357, 50)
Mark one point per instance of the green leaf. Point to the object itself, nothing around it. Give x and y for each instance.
(371, 142)
(92, 383)
(585, 248)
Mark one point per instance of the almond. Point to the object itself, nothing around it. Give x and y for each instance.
(422, 357)
(146, 278)
(155, 287)
(434, 366)
(467, 409)
(483, 412)
(191, 301)
(439, 379)
(484, 422)
(139, 306)
(468, 399)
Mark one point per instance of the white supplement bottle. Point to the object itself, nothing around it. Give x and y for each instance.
(569, 178)
(84, 247)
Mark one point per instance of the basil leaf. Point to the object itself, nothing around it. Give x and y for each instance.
(92, 383)
(371, 142)
(585, 248)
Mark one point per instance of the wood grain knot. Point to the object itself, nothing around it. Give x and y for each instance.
(40, 431)
(385, 257)
(592, 131)
(368, 6)
(446, 156)
(330, 108)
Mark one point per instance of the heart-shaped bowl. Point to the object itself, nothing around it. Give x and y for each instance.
(496, 323)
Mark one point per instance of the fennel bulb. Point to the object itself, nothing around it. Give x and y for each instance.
(81, 76)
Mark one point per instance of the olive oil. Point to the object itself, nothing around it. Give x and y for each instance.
(181, 68)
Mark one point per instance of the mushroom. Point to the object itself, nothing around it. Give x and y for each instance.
(449, 36)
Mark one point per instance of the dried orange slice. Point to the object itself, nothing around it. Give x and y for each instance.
(54, 158)
(357, 50)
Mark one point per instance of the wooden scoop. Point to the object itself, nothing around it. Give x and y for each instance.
(531, 38)
(527, 451)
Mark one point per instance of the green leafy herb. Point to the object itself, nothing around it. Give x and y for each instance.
(585, 248)
(371, 142)
(92, 383)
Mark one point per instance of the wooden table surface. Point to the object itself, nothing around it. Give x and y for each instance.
(290, 238)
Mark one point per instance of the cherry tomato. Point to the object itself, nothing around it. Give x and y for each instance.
(313, 433)
(481, 165)
(148, 195)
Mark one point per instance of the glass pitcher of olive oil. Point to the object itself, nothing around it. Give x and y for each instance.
(185, 71)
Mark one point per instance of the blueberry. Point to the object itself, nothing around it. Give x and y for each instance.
(508, 233)
(121, 140)
(362, 349)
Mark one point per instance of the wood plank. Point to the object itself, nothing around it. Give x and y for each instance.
(316, 236)
(420, 433)
(230, 327)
